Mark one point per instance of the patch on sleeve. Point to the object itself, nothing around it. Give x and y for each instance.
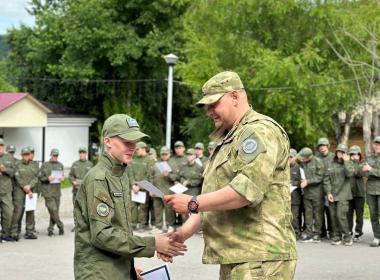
(249, 146)
(102, 209)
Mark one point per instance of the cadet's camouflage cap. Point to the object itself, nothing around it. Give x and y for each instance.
(25, 151)
(179, 144)
(377, 139)
(140, 145)
(1, 142)
(82, 150)
(11, 149)
(355, 150)
(219, 85)
(190, 151)
(31, 149)
(123, 126)
(323, 141)
(211, 145)
(305, 153)
(199, 145)
(54, 152)
(164, 151)
(292, 153)
(342, 148)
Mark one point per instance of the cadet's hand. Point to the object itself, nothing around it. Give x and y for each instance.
(178, 202)
(151, 194)
(50, 178)
(164, 258)
(135, 188)
(138, 272)
(346, 157)
(167, 246)
(26, 188)
(62, 178)
(303, 184)
(185, 183)
(30, 194)
(165, 173)
(2, 168)
(366, 167)
(330, 197)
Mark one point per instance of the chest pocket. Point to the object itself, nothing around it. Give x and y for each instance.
(223, 166)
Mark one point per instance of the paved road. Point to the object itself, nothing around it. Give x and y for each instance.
(52, 257)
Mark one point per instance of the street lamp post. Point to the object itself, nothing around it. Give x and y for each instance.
(170, 59)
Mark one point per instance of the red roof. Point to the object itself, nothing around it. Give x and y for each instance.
(8, 99)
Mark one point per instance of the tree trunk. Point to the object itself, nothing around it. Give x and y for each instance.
(338, 128)
(346, 129)
(367, 123)
(376, 123)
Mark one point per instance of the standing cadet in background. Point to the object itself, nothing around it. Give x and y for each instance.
(36, 168)
(199, 149)
(339, 193)
(190, 175)
(327, 157)
(7, 171)
(11, 150)
(27, 180)
(105, 247)
(153, 154)
(78, 170)
(140, 169)
(177, 160)
(51, 190)
(312, 186)
(210, 148)
(371, 169)
(358, 194)
(296, 196)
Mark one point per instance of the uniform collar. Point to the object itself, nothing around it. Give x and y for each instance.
(116, 168)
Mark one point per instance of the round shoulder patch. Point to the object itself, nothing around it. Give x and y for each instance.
(249, 146)
(102, 209)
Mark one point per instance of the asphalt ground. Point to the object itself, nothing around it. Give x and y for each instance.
(52, 257)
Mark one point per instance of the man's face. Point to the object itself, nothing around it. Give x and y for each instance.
(82, 155)
(1, 148)
(190, 158)
(120, 149)
(198, 152)
(323, 149)
(220, 112)
(165, 157)
(179, 150)
(376, 147)
(26, 157)
(54, 158)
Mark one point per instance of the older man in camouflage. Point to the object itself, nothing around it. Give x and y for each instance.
(245, 200)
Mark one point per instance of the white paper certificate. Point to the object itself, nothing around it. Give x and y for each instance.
(158, 273)
(150, 188)
(56, 174)
(178, 188)
(30, 203)
(163, 166)
(139, 197)
(302, 173)
(292, 188)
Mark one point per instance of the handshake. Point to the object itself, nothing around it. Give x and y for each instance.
(170, 245)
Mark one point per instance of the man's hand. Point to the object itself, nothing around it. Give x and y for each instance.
(366, 167)
(178, 202)
(330, 197)
(135, 188)
(303, 184)
(138, 273)
(166, 246)
(26, 188)
(175, 236)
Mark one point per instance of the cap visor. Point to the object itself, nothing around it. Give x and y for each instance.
(210, 99)
(134, 136)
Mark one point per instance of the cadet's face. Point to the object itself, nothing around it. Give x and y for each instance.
(12, 154)
(1, 149)
(54, 158)
(355, 156)
(199, 152)
(120, 149)
(141, 152)
(31, 156)
(82, 156)
(179, 151)
(190, 158)
(220, 112)
(376, 147)
(165, 157)
(291, 160)
(323, 149)
(339, 154)
(26, 157)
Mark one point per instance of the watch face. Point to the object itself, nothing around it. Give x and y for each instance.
(193, 205)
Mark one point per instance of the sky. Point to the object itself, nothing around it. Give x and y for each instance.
(13, 13)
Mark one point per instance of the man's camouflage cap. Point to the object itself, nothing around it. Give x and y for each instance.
(305, 153)
(11, 149)
(82, 150)
(25, 151)
(141, 145)
(219, 85)
(199, 145)
(292, 153)
(190, 151)
(164, 150)
(342, 148)
(323, 141)
(355, 150)
(54, 152)
(211, 145)
(377, 139)
(123, 126)
(179, 144)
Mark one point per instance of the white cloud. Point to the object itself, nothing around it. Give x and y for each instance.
(13, 13)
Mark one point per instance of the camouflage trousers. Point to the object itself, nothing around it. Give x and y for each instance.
(18, 212)
(6, 210)
(52, 204)
(269, 270)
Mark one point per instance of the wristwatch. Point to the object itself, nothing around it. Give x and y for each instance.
(193, 205)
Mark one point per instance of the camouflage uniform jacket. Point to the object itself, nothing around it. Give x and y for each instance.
(315, 177)
(79, 169)
(176, 163)
(357, 182)
(6, 176)
(193, 175)
(295, 178)
(373, 183)
(252, 158)
(162, 182)
(47, 189)
(104, 242)
(140, 169)
(26, 174)
(340, 174)
(327, 159)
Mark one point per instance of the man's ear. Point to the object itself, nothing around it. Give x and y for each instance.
(107, 141)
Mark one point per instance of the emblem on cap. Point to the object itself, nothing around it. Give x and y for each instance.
(102, 209)
(249, 146)
(132, 122)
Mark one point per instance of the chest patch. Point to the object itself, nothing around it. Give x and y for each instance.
(102, 209)
(249, 146)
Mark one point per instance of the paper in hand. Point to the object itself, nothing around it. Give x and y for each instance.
(158, 273)
(56, 174)
(139, 197)
(302, 173)
(163, 166)
(178, 188)
(150, 188)
(31, 203)
(292, 188)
